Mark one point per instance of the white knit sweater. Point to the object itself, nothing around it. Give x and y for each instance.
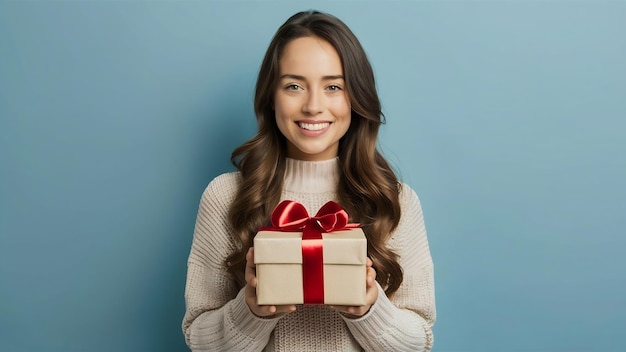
(218, 319)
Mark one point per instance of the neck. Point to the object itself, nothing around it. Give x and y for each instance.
(311, 176)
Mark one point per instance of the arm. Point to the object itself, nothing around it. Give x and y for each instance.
(404, 321)
(217, 317)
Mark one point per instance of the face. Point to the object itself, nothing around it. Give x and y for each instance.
(311, 104)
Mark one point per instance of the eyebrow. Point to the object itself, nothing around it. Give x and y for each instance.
(301, 78)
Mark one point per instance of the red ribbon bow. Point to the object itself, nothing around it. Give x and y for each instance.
(290, 216)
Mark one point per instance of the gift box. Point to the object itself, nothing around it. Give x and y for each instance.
(310, 260)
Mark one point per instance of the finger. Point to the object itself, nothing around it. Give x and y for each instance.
(353, 310)
(356, 311)
(346, 309)
(250, 274)
(370, 276)
(271, 310)
(250, 255)
(262, 311)
(340, 308)
(268, 310)
(285, 309)
(369, 262)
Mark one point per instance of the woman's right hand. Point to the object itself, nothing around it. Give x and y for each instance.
(261, 311)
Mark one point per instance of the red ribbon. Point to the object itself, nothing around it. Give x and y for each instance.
(291, 216)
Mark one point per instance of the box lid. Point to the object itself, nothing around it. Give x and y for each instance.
(340, 247)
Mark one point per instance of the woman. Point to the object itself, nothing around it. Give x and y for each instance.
(318, 114)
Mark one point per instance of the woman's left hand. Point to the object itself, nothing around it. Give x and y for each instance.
(371, 294)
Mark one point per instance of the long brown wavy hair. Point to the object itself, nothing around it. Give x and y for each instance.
(368, 188)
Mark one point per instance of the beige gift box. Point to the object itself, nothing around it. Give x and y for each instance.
(278, 259)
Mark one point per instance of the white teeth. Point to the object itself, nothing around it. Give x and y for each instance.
(313, 126)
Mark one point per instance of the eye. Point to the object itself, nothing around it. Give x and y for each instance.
(334, 88)
(293, 87)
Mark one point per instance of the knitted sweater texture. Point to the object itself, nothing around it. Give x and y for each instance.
(217, 317)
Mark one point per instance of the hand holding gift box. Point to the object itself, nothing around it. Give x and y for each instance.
(310, 260)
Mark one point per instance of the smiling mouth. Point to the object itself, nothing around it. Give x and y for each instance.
(313, 126)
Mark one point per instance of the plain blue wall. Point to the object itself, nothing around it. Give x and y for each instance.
(508, 118)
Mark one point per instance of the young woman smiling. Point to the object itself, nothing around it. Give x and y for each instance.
(318, 114)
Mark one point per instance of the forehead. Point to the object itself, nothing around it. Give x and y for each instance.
(310, 56)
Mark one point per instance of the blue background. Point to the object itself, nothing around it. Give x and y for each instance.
(507, 117)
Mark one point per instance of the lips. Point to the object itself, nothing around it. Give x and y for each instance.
(313, 126)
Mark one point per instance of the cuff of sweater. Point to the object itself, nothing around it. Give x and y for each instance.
(379, 318)
(248, 323)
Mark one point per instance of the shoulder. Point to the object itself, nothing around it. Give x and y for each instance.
(222, 189)
(411, 214)
(225, 181)
(408, 197)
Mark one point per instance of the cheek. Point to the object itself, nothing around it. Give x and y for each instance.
(342, 109)
(284, 108)
(281, 120)
(281, 115)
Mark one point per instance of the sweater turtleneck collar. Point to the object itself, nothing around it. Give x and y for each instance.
(311, 176)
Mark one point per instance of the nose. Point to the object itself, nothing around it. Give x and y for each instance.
(313, 104)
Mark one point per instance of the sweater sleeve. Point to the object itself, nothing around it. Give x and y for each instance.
(404, 321)
(217, 317)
